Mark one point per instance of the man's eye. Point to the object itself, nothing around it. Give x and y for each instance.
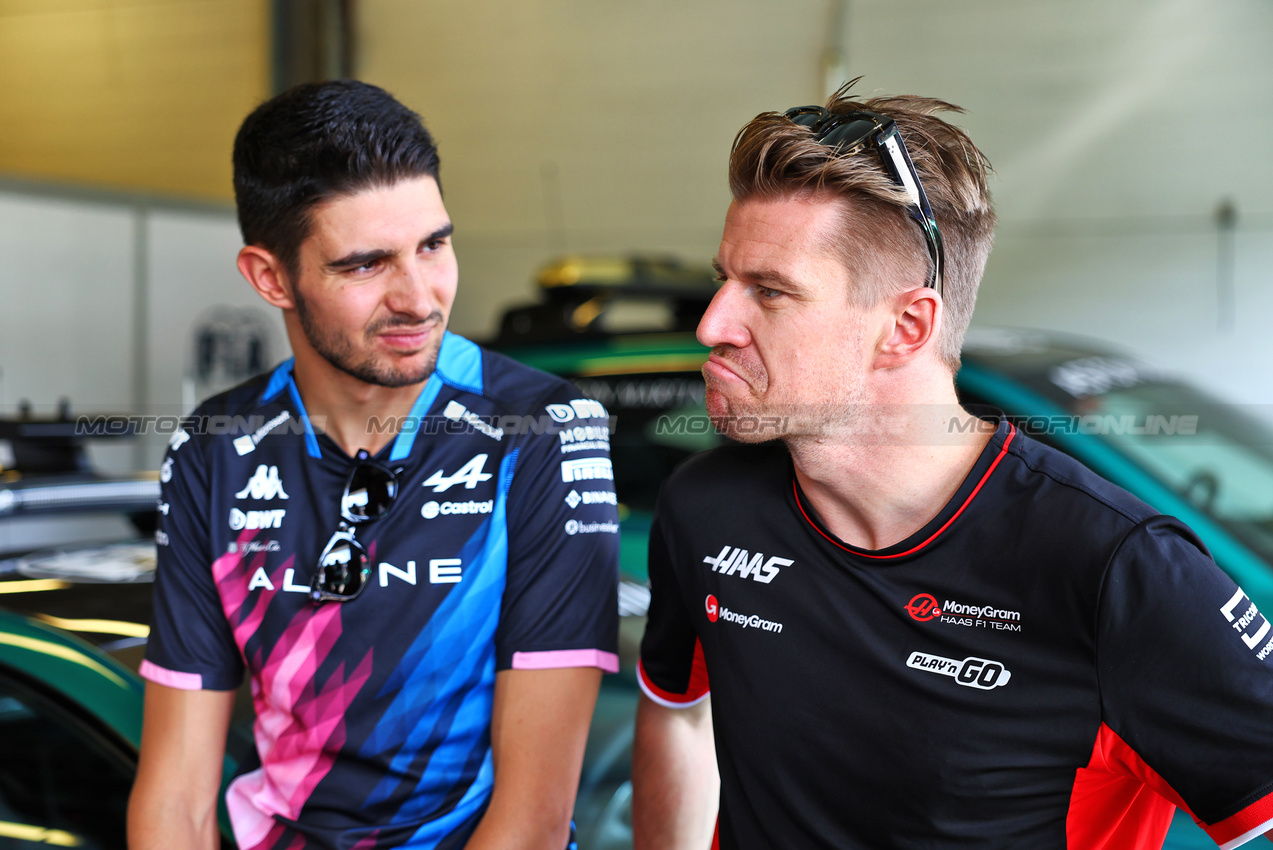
(766, 292)
(433, 245)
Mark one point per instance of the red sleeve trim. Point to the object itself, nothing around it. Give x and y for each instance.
(695, 692)
(1252, 822)
(1012, 432)
(1118, 802)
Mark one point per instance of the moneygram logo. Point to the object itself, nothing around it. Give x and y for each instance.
(716, 611)
(923, 607)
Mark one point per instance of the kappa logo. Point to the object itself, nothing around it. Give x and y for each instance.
(178, 439)
(472, 473)
(240, 520)
(744, 564)
(165, 471)
(972, 672)
(586, 469)
(163, 508)
(264, 485)
(580, 408)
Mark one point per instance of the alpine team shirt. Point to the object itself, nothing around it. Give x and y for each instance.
(1048, 663)
(499, 552)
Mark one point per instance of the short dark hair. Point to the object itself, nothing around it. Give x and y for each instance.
(775, 157)
(315, 142)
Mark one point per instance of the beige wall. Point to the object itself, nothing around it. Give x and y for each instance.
(585, 125)
(142, 94)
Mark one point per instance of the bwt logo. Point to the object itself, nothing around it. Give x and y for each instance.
(923, 607)
(980, 673)
(713, 608)
(240, 520)
(580, 408)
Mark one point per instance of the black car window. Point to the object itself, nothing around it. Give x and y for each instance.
(62, 783)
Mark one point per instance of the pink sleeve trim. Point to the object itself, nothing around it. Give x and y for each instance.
(171, 678)
(607, 661)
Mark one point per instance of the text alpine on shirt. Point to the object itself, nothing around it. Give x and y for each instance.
(373, 715)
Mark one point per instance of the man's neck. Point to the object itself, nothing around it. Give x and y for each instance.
(354, 414)
(883, 478)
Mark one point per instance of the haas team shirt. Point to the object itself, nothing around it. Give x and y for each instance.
(1047, 664)
(499, 552)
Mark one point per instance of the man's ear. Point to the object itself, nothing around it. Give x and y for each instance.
(265, 272)
(916, 321)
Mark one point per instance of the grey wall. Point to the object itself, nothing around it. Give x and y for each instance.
(100, 297)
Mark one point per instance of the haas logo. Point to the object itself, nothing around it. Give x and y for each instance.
(923, 607)
(264, 485)
(713, 608)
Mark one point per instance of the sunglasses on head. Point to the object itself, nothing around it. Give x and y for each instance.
(849, 133)
(343, 567)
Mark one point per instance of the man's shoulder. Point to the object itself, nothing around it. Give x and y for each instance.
(507, 383)
(1060, 482)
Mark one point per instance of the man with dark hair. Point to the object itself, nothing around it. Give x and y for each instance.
(423, 612)
(921, 629)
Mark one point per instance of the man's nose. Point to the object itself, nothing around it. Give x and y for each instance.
(724, 322)
(411, 291)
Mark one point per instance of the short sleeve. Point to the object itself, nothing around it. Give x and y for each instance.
(560, 606)
(190, 646)
(672, 671)
(1186, 674)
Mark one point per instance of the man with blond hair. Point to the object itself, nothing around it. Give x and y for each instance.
(920, 628)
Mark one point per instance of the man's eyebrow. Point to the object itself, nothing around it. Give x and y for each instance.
(441, 233)
(760, 276)
(358, 258)
(362, 258)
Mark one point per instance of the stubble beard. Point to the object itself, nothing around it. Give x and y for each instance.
(339, 350)
(835, 414)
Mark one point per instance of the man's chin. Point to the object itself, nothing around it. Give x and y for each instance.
(743, 423)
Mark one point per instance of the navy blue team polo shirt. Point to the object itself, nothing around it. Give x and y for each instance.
(499, 552)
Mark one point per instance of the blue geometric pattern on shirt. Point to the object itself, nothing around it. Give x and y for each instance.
(444, 687)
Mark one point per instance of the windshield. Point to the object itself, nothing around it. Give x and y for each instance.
(1216, 455)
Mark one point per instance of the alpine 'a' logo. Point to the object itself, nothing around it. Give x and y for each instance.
(470, 475)
(923, 607)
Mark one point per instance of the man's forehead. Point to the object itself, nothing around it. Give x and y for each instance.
(784, 229)
(410, 208)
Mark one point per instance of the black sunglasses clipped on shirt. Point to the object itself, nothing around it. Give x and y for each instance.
(343, 567)
(848, 133)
